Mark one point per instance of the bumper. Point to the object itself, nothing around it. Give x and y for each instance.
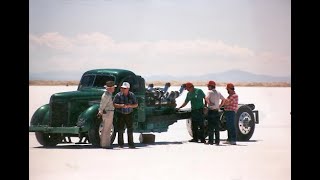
(46, 129)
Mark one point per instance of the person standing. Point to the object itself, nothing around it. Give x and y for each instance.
(197, 98)
(106, 111)
(124, 102)
(213, 98)
(231, 107)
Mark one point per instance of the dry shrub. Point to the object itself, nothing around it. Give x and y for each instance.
(52, 83)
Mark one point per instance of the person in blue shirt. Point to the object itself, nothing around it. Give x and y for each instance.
(124, 102)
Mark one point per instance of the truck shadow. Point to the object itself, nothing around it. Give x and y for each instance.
(138, 145)
(90, 146)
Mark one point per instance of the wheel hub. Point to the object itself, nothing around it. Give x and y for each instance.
(244, 123)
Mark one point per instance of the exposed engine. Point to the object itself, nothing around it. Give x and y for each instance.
(161, 96)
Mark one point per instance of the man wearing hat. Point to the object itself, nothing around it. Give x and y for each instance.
(124, 102)
(213, 98)
(231, 107)
(106, 110)
(197, 98)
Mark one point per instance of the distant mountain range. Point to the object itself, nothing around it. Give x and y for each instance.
(227, 76)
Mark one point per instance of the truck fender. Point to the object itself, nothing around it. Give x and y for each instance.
(89, 122)
(88, 117)
(41, 115)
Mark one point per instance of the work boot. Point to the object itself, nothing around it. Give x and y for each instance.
(130, 138)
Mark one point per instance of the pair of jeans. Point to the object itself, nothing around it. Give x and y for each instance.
(213, 126)
(230, 118)
(125, 120)
(197, 124)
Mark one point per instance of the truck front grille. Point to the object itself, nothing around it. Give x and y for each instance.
(59, 114)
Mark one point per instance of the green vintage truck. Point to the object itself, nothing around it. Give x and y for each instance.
(74, 114)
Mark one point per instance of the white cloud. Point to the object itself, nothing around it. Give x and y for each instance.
(103, 43)
(96, 50)
(51, 40)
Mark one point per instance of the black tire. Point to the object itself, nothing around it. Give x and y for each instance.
(147, 138)
(48, 140)
(94, 132)
(244, 123)
(189, 128)
(222, 122)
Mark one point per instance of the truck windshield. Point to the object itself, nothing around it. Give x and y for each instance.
(97, 81)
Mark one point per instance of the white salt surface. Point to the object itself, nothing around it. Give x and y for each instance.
(266, 156)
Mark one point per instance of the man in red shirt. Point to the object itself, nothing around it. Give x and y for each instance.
(231, 107)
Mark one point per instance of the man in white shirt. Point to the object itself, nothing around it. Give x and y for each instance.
(213, 98)
(106, 110)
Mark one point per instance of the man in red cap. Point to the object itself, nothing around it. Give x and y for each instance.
(197, 98)
(230, 107)
(213, 98)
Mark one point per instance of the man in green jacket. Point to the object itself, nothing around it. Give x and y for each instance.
(198, 102)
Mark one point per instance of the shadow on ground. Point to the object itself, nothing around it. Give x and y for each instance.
(89, 146)
(138, 145)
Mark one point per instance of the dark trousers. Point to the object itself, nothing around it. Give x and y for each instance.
(213, 126)
(125, 120)
(230, 118)
(197, 124)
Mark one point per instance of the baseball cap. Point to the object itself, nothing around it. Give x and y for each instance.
(230, 86)
(211, 83)
(110, 84)
(125, 85)
(189, 85)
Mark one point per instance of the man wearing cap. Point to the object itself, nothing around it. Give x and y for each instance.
(213, 98)
(197, 98)
(106, 110)
(124, 102)
(230, 107)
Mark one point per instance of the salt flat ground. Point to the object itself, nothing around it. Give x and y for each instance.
(266, 156)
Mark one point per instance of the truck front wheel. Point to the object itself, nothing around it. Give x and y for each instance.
(95, 133)
(47, 139)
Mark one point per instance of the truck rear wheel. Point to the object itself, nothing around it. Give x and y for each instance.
(47, 139)
(244, 123)
(189, 128)
(95, 133)
(189, 124)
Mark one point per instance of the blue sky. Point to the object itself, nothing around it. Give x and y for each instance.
(160, 37)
